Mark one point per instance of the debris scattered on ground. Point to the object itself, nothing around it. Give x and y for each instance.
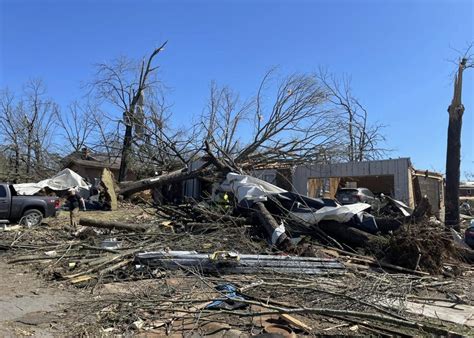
(251, 259)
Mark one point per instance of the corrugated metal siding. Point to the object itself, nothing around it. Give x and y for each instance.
(399, 168)
(192, 187)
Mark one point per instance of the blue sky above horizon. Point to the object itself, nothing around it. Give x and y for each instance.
(396, 52)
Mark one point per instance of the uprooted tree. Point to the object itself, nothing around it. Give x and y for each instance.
(453, 154)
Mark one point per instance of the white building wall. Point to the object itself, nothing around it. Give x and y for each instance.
(399, 168)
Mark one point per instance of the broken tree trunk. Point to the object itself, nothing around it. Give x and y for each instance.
(453, 154)
(107, 183)
(113, 225)
(153, 182)
(270, 224)
(126, 149)
(346, 234)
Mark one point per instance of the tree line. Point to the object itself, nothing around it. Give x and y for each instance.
(291, 119)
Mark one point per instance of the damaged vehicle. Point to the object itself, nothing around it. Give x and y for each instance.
(357, 195)
(28, 210)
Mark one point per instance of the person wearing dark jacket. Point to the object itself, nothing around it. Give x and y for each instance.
(74, 201)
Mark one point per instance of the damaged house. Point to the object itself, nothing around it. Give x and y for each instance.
(393, 177)
(90, 165)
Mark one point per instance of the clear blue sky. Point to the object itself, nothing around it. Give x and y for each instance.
(397, 53)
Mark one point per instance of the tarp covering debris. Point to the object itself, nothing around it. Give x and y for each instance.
(341, 214)
(250, 189)
(63, 180)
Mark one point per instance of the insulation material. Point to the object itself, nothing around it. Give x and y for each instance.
(249, 188)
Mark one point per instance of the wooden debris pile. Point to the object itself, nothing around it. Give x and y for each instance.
(189, 302)
(261, 267)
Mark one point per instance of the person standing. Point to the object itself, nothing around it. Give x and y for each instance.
(74, 201)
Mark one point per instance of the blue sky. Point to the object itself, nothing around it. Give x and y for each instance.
(397, 53)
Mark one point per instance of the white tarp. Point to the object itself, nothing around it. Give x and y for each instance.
(249, 188)
(63, 180)
(256, 190)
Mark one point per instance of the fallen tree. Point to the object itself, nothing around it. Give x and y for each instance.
(346, 234)
(113, 225)
(179, 175)
(275, 233)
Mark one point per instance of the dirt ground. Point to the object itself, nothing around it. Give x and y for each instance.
(31, 306)
(33, 303)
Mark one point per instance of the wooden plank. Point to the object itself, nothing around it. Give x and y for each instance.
(295, 322)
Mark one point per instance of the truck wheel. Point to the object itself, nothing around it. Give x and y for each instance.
(32, 217)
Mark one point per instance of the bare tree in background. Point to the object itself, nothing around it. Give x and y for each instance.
(453, 154)
(37, 120)
(364, 140)
(122, 85)
(77, 125)
(26, 125)
(10, 131)
(293, 125)
(221, 121)
(107, 136)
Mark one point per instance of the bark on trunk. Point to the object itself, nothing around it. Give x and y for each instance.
(346, 234)
(17, 164)
(28, 156)
(113, 225)
(126, 151)
(453, 162)
(453, 155)
(270, 225)
(149, 183)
